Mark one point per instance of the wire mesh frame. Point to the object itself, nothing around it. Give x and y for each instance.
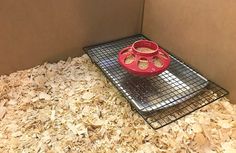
(105, 57)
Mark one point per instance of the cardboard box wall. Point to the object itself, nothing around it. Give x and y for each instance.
(32, 32)
(201, 32)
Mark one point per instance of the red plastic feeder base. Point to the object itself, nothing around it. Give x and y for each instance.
(144, 58)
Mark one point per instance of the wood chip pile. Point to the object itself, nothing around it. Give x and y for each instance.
(70, 106)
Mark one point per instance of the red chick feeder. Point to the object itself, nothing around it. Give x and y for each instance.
(144, 58)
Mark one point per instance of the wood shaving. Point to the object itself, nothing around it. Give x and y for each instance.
(43, 95)
(2, 112)
(70, 106)
(87, 95)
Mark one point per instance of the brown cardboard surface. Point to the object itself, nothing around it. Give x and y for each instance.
(202, 33)
(32, 32)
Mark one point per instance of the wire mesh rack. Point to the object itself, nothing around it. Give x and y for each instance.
(161, 99)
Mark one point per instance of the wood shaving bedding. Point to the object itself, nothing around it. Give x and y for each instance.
(70, 106)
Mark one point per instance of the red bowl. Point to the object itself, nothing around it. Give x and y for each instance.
(144, 58)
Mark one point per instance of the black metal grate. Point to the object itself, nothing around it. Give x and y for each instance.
(161, 99)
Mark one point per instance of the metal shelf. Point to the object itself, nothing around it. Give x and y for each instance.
(161, 99)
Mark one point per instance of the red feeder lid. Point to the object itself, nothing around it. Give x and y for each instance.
(144, 58)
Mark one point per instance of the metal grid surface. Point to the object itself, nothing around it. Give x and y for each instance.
(161, 99)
